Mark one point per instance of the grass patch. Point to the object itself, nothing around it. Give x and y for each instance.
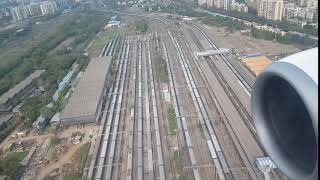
(141, 25)
(100, 41)
(78, 163)
(73, 176)
(88, 162)
(161, 66)
(171, 115)
(54, 141)
(49, 178)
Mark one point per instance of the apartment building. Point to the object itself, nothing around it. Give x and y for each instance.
(218, 3)
(48, 7)
(270, 9)
(19, 13)
(241, 7)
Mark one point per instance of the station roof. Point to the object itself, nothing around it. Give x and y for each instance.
(20, 86)
(86, 96)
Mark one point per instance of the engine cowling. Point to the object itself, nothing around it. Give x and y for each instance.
(284, 108)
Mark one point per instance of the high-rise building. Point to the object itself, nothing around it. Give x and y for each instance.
(226, 4)
(48, 7)
(290, 11)
(201, 2)
(218, 3)
(34, 9)
(241, 7)
(61, 3)
(210, 3)
(270, 9)
(302, 3)
(19, 13)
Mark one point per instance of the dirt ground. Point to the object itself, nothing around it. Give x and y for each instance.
(63, 159)
(244, 44)
(69, 149)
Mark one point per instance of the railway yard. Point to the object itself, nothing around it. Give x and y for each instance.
(160, 111)
(214, 136)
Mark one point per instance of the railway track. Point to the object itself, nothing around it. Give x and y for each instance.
(210, 135)
(144, 153)
(242, 80)
(160, 162)
(228, 131)
(255, 173)
(231, 94)
(145, 158)
(184, 138)
(111, 117)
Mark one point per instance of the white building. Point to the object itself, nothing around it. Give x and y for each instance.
(48, 7)
(218, 3)
(290, 10)
(271, 9)
(34, 9)
(241, 7)
(226, 4)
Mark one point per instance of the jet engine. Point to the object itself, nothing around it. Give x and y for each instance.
(284, 104)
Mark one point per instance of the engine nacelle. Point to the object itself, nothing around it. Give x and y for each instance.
(284, 108)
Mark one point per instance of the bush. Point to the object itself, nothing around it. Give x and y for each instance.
(172, 120)
(10, 164)
(141, 25)
(284, 25)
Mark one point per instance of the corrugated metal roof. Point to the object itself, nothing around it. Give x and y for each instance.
(264, 162)
(87, 93)
(20, 86)
(5, 118)
(256, 64)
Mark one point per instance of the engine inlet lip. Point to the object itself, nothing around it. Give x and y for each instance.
(307, 90)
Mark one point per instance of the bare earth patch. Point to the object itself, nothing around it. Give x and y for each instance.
(244, 44)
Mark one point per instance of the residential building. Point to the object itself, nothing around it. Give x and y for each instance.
(290, 11)
(202, 2)
(241, 7)
(271, 9)
(210, 3)
(218, 3)
(302, 3)
(226, 4)
(61, 3)
(34, 9)
(48, 7)
(19, 13)
(312, 4)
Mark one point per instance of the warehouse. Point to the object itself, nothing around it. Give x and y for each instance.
(13, 96)
(84, 105)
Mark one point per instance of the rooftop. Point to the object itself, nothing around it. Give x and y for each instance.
(87, 93)
(20, 86)
(256, 64)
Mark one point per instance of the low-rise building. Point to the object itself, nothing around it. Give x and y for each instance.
(256, 64)
(112, 24)
(13, 96)
(85, 103)
(4, 119)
